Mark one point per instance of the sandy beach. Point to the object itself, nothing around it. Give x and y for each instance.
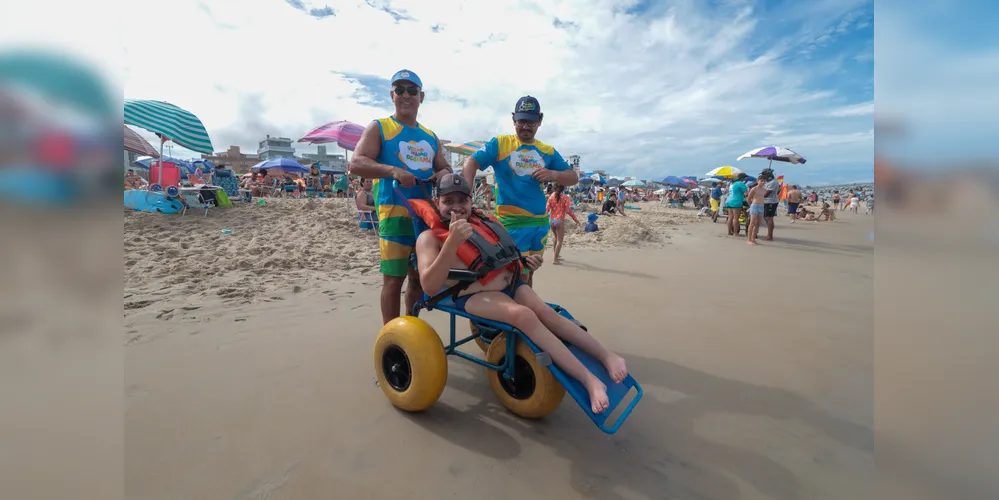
(249, 370)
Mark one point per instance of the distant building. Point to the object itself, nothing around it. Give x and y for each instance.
(334, 161)
(573, 161)
(233, 158)
(275, 147)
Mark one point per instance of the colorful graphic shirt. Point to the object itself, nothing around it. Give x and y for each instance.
(410, 148)
(520, 199)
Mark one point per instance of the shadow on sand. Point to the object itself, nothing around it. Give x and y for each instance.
(645, 457)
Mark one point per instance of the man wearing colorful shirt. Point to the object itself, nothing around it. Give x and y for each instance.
(398, 148)
(521, 165)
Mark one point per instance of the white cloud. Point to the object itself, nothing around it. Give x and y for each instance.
(678, 94)
(859, 109)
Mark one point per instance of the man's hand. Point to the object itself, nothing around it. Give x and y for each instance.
(533, 262)
(543, 175)
(459, 231)
(438, 174)
(405, 178)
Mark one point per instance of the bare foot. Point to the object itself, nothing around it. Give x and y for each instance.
(616, 367)
(598, 395)
(751, 243)
(768, 238)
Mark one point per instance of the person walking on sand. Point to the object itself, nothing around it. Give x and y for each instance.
(521, 165)
(733, 205)
(756, 199)
(398, 147)
(559, 205)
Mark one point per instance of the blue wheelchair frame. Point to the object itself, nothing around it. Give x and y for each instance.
(616, 392)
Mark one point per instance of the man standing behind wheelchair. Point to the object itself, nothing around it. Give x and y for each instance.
(399, 148)
(522, 165)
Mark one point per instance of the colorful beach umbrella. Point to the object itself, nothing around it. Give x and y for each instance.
(726, 172)
(345, 134)
(774, 153)
(634, 183)
(673, 180)
(169, 122)
(286, 164)
(465, 148)
(136, 144)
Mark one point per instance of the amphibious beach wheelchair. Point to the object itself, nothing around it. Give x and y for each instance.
(411, 361)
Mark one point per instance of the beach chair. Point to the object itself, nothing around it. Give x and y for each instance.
(411, 361)
(195, 200)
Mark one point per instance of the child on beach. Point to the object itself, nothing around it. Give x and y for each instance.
(755, 200)
(516, 305)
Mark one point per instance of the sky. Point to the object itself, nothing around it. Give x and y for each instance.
(636, 88)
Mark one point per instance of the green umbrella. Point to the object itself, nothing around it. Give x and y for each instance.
(169, 122)
(58, 77)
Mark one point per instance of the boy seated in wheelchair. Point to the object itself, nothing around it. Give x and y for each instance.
(458, 237)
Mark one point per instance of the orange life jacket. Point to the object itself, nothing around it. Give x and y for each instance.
(489, 251)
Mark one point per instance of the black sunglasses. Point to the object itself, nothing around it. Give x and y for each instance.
(412, 89)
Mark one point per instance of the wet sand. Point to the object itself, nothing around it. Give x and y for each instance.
(756, 385)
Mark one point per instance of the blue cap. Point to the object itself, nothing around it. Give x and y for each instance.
(528, 108)
(406, 75)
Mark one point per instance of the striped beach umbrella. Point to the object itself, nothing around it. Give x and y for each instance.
(465, 148)
(169, 122)
(345, 134)
(726, 172)
(138, 145)
(774, 153)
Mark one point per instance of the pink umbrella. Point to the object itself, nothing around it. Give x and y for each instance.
(136, 144)
(345, 134)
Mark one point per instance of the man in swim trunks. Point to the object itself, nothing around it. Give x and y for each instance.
(495, 300)
(521, 165)
(794, 198)
(399, 148)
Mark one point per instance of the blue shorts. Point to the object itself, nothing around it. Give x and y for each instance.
(530, 240)
(756, 209)
(461, 301)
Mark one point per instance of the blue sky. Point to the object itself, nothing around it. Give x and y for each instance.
(646, 89)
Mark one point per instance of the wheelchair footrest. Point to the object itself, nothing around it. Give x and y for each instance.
(623, 397)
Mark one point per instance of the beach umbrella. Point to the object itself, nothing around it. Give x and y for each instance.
(57, 77)
(147, 161)
(726, 172)
(634, 183)
(673, 180)
(285, 164)
(136, 144)
(345, 134)
(170, 123)
(774, 153)
(597, 178)
(465, 148)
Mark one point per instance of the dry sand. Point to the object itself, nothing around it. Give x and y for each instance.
(249, 370)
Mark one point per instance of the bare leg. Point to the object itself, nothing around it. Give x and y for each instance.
(498, 307)
(572, 333)
(391, 288)
(770, 228)
(754, 226)
(559, 231)
(732, 222)
(413, 289)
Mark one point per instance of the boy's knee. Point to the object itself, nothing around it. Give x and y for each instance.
(521, 316)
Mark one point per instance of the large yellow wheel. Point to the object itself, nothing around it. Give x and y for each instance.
(533, 392)
(410, 363)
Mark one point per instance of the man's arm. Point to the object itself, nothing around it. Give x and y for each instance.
(440, 162)
(368, 148)
(564, 174)
(469, 169)
(434, 260)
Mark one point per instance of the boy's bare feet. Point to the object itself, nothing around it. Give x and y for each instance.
(616, 367)
(598, 395)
